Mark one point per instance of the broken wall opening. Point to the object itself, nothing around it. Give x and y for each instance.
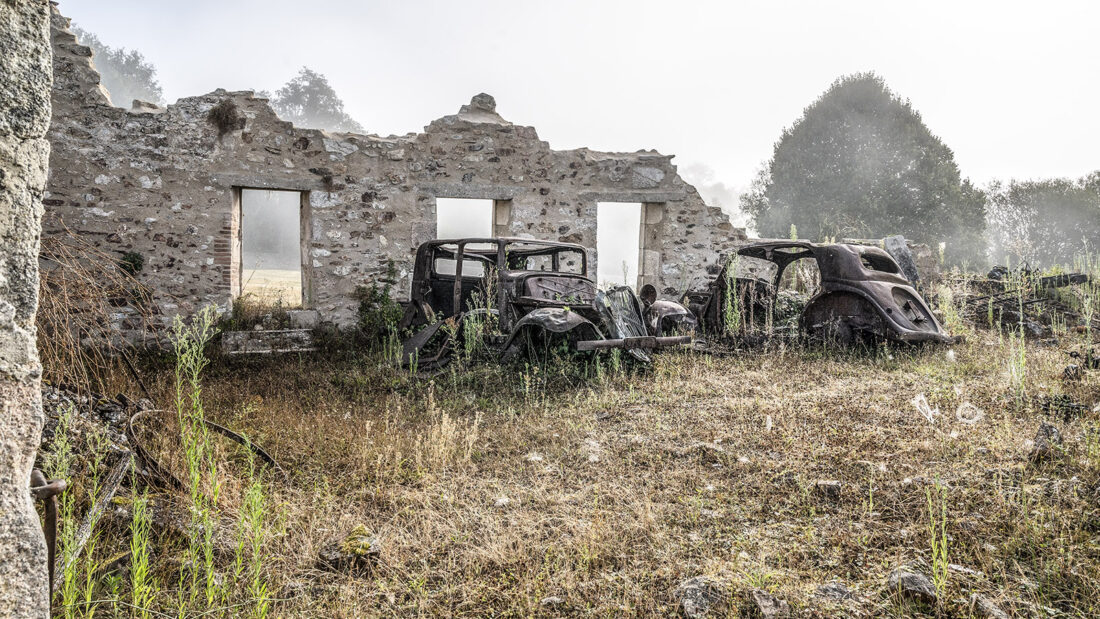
(273, 235)
(618, 244)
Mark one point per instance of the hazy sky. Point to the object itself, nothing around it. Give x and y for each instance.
(1012, 87)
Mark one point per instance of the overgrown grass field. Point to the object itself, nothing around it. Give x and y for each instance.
(594, 490)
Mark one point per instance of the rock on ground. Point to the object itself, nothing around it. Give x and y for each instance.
(698, 595)
(983, 607)
(357, 552)
(911, 586)
(552, 601)
(770, 607)
(1047, 440)
(833, 591)
(828, 488)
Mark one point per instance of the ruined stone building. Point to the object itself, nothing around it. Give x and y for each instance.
(167, 184)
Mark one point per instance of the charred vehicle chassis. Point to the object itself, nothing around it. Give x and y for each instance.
(534, 292)
(862, 296)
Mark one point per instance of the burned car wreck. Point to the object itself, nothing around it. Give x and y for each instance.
(531, 294)
(857, 294)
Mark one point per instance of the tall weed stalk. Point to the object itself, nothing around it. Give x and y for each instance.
(190, 341)
(937, 535)
(142, 587)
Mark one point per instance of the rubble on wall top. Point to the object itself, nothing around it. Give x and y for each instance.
(80, 84)
(146, 107)
(482, 109)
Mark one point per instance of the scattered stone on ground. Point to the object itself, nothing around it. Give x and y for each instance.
(833, 591)
(828, 488)
(962, 569)
(770, 607)
(911, 586)
(356, 552)
(698, 595)
(984, 607)
(89, 414)
(1047, 441)
(592, 450)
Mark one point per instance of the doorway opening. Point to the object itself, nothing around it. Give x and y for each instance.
(618, 243)
(271, 246)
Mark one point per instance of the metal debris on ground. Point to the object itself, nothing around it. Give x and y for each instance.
(47, 491)
(1061, 405)
(153, 467)
(84, 533)
(1023, 298)
(112, 418)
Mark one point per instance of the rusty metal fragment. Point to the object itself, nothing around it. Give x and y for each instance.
(84, 533)
(1020, 298)
(46, 491)
(157, 471)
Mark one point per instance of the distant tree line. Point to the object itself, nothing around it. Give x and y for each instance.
(307, 99)
(126, 74)
(860, 162)
(1044, 222)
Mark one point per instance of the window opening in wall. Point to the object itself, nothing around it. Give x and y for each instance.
(271, 246)
(618, 243)
(462, 218)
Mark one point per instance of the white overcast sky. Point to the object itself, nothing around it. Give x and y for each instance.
(1012, 87)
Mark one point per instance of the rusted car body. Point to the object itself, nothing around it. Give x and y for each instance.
(534, 291)
(862, 293)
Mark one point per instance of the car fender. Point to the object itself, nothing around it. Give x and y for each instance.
(895, 330)
(662, 317)
(554, 320)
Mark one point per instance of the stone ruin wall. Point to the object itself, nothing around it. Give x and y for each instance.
(161, 182)
(24, 151)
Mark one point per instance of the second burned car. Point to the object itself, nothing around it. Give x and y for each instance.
(533, 294)
(859, 293)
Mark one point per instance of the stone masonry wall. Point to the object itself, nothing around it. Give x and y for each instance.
(24, 117)
(162, 182)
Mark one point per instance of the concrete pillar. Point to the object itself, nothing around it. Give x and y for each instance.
(649, 269)
(502, 218)
(27, 73)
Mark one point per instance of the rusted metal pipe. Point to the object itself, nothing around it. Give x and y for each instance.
(158, 471)
(46, 491)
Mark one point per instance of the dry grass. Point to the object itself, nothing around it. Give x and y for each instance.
(493, 489)
(84, 296)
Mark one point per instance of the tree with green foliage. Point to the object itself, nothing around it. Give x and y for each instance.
(1044, 222)
(307, 100)
(126, 74)
(860, 162)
